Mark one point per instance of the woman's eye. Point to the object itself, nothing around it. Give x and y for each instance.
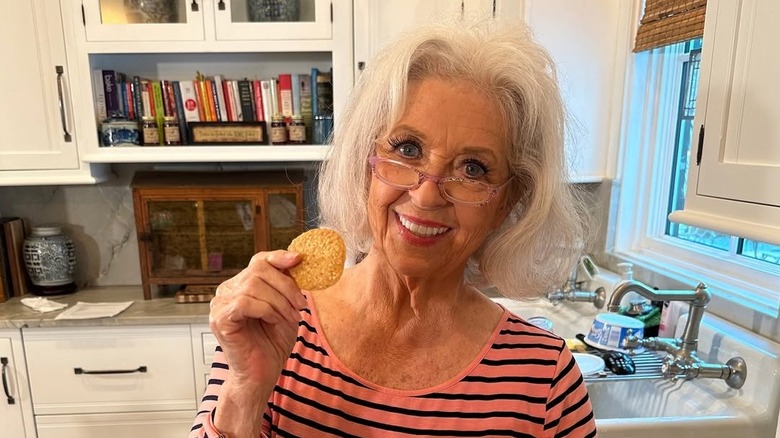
(409, 150)
(474, 170)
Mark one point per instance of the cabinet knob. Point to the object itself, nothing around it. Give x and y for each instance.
(9, 397)
(194, 6)
(221, 5)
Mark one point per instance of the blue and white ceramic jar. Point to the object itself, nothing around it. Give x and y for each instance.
(119, 132)
(50, 259)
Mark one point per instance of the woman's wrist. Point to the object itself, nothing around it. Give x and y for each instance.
(240, 410)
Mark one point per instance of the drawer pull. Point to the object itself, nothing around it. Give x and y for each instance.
(4, 362)
(141, 369)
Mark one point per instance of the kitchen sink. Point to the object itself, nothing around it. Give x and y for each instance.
(694, 408)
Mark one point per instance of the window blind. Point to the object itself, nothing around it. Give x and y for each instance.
(667, 22)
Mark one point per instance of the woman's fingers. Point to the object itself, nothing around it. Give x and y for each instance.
(270, 266)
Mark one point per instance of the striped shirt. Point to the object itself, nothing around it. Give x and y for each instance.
(524, 383)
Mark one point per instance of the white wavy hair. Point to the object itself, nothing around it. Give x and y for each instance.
(535, 248)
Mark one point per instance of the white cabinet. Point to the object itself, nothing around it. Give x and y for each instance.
(735, 170)
(165, 21)
(204, 343)
(16, 415)
(38, 139)
(588, 41)
(102, 381)
(214, 38)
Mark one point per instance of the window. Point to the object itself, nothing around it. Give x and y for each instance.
(658, 136)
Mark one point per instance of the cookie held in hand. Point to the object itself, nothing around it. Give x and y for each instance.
(323, 253)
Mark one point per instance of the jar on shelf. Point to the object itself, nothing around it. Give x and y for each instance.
(50, 260)
(278, 132)
(118, 131)
(323, 125)
(171, 133)
(150, 134)
(297, 130)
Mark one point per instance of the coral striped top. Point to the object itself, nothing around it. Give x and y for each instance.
(524, 383)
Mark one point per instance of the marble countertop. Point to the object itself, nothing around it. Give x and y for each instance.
(161, 310)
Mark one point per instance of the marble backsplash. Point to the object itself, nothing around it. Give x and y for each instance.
(100, 220)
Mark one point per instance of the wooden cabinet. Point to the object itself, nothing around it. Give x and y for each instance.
(38, 138)
(111, 381)
(198, 228)
(735, 171)
(16, 415)
(587, 40)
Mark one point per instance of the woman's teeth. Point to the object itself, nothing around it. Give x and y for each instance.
(421, 230)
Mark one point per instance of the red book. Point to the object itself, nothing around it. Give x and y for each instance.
(130, 101)
(258, 95)
(285, 95)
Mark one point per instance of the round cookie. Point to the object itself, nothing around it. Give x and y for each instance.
(323, 253)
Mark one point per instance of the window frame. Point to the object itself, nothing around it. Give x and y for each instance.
(737, 283)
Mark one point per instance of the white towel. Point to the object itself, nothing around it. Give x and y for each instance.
(43, 305)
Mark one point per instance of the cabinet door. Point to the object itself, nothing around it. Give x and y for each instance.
(144, 20)
(253, 20)
(740, 156)
(15, 408)
(377, 22)
(201, 237)
(583, 39)
(36, 114)
(124, 425)
(284, 218)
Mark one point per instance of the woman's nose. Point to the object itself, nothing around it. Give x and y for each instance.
(428, 195)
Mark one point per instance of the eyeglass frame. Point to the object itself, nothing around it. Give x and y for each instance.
(493, 190)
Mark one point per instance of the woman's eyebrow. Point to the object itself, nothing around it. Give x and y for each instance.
(471, 149)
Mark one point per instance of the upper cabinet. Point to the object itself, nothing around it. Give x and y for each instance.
(38, 138)
(206, 20)
(735, 170)
(587, 40)
(221, 41)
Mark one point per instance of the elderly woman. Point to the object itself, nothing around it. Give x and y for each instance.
(446, 174)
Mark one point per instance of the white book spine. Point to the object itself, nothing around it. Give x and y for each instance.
(220, 98)
(189, 101)
(100, 96)
(266, 85)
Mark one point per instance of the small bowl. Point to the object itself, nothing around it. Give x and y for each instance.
(609, 330)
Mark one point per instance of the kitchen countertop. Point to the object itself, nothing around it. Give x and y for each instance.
(161, 310)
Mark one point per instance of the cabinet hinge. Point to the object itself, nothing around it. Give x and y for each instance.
(331, 12)
(83, 16)
(701, 145)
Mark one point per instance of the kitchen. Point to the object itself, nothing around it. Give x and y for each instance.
(49, 180)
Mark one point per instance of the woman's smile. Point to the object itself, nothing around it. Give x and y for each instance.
(419, 231)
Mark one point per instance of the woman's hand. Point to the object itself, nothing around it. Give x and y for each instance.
(255, 316)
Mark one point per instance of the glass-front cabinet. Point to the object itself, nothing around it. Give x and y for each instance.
(191, 20)
(201, 228)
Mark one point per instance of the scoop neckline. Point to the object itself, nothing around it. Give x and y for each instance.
(341, 367)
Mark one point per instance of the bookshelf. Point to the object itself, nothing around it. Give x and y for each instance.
(225, 44)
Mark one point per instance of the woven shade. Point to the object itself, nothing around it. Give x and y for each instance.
(670, 21)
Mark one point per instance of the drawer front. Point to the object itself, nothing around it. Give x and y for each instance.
(110, 369)
(209, 346)
(126, 425)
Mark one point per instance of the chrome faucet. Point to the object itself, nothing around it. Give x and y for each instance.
(571, 292)
(682, 360)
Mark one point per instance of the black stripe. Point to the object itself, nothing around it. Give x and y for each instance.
(524, 346)
(402, 411)
(523, 333)
(577, 425)
(551, 404)
(575, 406)
(390, 427)
(216, 381)
(325, 370)
(221, 365)
(310, 423)
(219, 348)
(209, 398)
(202, 412)
(306, 309)
(306, 325)
(564, 372)
(312, 346)
(508, 379)
(524, 361)
(486, 397)
(196, 427)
